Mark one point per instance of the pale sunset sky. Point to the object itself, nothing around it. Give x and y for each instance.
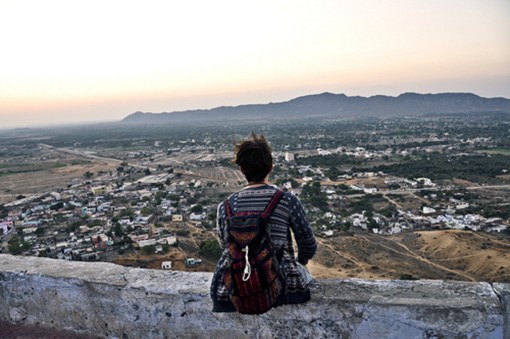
(90, 61)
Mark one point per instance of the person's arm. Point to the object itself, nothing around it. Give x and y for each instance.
(220, 225)
(305, 239)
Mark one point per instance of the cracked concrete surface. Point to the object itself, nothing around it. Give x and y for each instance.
(111, 301)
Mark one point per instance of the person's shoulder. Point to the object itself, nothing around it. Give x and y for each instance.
(288, 196)
(228, 198)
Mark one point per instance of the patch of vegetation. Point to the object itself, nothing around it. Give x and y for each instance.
(210, 249)
(16, 245)
(313, 195)
(437, 166)
(407, 276)
(182, 233)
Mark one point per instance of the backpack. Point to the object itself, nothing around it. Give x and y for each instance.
(254, 279)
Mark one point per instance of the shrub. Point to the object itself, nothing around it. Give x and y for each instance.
(211, 249)
(407, 276)
(182, 233)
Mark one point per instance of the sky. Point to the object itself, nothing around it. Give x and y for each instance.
(89, 61)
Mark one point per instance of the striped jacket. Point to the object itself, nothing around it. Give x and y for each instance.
(288, 216)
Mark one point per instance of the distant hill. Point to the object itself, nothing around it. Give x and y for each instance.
(336, 106)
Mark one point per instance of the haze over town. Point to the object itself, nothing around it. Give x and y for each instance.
(87, 61)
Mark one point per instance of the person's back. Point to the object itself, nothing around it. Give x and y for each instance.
(254, 158)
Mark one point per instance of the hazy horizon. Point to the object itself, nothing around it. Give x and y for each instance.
(81, 62)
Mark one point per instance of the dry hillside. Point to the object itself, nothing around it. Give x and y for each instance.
(456, 255)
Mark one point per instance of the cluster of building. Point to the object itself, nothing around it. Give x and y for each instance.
(408, 221)
(87, 221)
(449, 214)
(92, 218)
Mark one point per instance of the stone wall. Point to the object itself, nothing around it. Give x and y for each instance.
(113, 301)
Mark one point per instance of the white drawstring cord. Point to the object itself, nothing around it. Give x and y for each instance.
(247, 268)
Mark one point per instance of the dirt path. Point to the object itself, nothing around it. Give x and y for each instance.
(391, 201)
(397, 204)
(352, 259)
(422, 199)
(460, 258)
(420, 258)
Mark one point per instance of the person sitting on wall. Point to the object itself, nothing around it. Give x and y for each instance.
(256, 163)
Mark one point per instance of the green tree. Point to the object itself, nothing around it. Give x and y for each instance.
(40, 231)
(3, 211)
(182, 233)
(211, 249)
(15, 245)
(117, 230)
(212, 215)
(127, 213)
(73, 227)
(147, 250)
(192, 200)
(146, 211)
(372, 224)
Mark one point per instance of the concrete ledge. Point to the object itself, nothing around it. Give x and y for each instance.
(111, 301)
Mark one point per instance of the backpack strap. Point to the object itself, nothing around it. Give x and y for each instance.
(227, 208)
(272, 204)
(267, 211)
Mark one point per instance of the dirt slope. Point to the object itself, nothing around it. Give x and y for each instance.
(456, 255)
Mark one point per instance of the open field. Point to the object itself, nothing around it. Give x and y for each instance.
(45, 179)
(55, 168)
(504, 151)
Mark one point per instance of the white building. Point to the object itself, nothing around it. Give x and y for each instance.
(323, 152)
(197, 216)
(328, 233)
(289, 157)
(428, 210)
(166, 265)
(6, 227)
(425, 182)
(56, 195)
(137, 237)
(148, 242)
(461, 205)
(171, 240)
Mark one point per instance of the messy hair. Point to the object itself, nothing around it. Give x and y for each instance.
(254, 157)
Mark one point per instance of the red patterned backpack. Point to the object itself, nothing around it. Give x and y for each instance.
(254, 279)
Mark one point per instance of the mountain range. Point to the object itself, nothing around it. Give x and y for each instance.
(329, 105)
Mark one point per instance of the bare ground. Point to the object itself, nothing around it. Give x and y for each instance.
(446, 254)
